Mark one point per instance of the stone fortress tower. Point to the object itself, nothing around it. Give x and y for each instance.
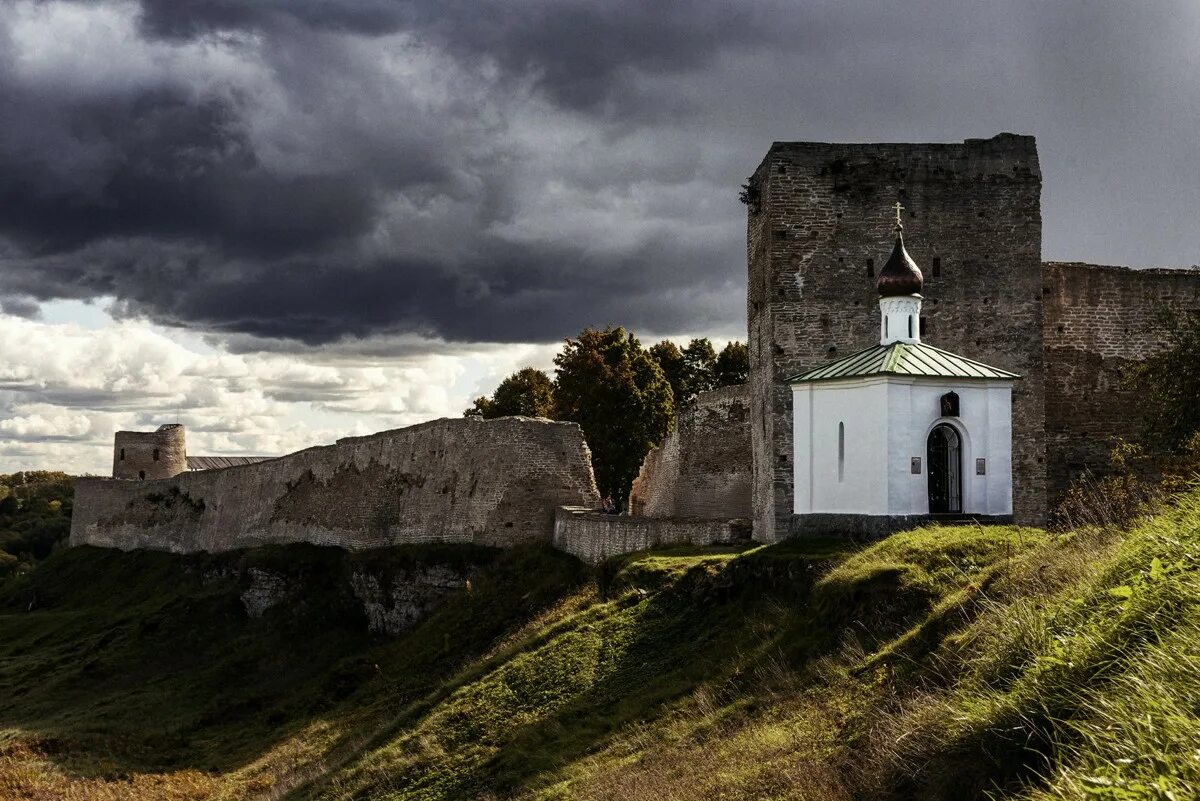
(149, 455)
(817, 232)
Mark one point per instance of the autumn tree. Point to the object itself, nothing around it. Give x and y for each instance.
(527, 392)
(617, 393)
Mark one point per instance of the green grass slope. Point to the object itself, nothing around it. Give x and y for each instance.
(944, 663)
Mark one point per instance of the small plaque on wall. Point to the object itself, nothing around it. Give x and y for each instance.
(981, 467)
(916, 466)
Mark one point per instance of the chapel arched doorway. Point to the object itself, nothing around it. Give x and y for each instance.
(945, 470)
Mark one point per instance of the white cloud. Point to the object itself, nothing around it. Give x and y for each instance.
(65, 389)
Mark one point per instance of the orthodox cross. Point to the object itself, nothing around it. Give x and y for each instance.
(899, 208)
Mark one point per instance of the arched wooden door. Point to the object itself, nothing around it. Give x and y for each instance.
(945, 470)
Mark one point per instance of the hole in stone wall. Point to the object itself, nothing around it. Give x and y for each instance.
(924, 326)
(1062, 328)
(781, 234)
(870, 268)
(937, 266)
(841, 260)
(782, 170)
(142, 474)
(155, 454)
(123, 450)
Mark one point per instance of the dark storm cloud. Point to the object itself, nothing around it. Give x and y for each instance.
(577, 50)
(308, 172)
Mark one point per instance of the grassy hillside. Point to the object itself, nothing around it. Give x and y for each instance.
(945, 663)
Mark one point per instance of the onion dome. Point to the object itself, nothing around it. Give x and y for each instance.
(901, 275)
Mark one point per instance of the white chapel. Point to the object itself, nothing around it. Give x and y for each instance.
(900, 432)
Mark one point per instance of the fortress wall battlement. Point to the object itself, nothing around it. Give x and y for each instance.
(487, 482)
(819, 226)
(1099, 320)
(702, 469)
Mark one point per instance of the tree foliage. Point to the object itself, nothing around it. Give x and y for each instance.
(622, 395)
(732, 365)
(1170, 383)
(528, 392)
(35, 517)
(669, 358)
(609, 384)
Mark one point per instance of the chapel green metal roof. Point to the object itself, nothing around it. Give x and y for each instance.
(899, 358)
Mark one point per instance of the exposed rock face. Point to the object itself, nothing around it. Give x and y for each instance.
(395, 603)
(267, 589)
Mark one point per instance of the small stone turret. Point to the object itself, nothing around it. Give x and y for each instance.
(144, 455)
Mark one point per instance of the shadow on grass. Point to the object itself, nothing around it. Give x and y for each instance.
(117, 663)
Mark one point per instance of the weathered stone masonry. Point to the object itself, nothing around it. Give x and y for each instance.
(818, 226)
(1098, 320)
(594, 537)
(493, 482)
(702, 469)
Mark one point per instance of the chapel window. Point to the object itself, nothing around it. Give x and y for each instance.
(841, 451)
(156, 454)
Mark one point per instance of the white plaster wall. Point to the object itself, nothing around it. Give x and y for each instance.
(817, 411)
(888, 420)
(984, 425)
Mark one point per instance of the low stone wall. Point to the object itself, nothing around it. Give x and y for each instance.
(468, 480)
(702, 469)
(594, 537)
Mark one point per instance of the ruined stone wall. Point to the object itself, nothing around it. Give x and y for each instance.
(488, 482)
(144, 455)
(819, 212)
(1098, 320)
(702, 469)
(594, 537)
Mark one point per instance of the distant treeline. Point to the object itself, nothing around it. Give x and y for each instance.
(35, 517)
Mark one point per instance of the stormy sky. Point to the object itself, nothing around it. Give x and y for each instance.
(280, 221)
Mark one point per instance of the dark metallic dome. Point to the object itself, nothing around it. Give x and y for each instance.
(901, 275)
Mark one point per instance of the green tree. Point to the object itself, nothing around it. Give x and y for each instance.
(689, 371)
(609, 384)
(700, 360)
(732, 365)
(670, 360)
(1170, 383)
(528, 392)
